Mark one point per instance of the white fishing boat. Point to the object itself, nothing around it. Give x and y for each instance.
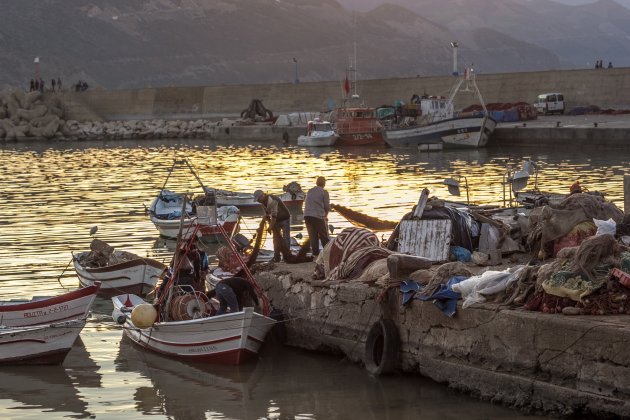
(40, 344)
(183, 326)
(117, 271)
(435, 123)
(293, 196)
(47, 310)
(318, 134)
(166, 213)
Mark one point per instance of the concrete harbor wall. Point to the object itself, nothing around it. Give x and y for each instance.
(537, 362)
(607, 88)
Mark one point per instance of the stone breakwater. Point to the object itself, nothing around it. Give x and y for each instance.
(33, 116)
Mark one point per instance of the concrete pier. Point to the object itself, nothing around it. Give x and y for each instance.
(554, 364)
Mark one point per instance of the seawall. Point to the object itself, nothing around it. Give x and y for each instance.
(537, 362)
(607, 88)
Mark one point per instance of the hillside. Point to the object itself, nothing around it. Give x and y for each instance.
(136, 43)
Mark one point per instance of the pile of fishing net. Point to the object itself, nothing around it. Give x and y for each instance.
(568, 224)
(103, 255)
(579, 281)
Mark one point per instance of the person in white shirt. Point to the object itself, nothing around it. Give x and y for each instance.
(316, 209)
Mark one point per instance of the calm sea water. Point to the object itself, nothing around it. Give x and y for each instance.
(51, 195)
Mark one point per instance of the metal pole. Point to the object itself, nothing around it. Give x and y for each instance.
(455, 45)
(297, 80)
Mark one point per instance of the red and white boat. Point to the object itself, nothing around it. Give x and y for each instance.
(181, 324)
(232, 338)
(133, 274)
(39, 344)
(47, 310)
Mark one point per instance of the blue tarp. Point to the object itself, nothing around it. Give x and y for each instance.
(444, 298)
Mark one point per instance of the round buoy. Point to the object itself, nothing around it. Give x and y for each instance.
(118, 316)
(382, 348)
(190, 306)
(143, 315)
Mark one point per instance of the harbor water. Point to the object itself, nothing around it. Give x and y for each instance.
(53, 194)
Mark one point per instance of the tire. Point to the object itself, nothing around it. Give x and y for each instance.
(382, 348)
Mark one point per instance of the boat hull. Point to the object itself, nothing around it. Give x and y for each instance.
(361, 139)
(138, 276)
(170, 228)
(246, 200)
(231, 338)
(317, 141)
(472, 132)
(42, 344)
(72, 305)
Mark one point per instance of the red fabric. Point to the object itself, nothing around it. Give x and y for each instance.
(346, 85)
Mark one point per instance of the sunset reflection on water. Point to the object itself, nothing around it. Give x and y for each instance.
(52, 196)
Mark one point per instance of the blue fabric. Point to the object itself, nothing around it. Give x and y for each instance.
(445, 298)
(460, 253)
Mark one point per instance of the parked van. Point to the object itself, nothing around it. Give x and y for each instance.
(550, 103)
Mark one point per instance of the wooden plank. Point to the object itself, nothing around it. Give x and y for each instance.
(430, 239)
(422, 202)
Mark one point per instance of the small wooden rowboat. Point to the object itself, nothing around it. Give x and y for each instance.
(47, 310)
(133, 274)
(40, 344)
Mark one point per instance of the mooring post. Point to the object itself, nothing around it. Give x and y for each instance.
(626, 193)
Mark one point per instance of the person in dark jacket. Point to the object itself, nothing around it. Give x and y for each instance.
(279, 218)
(230, 292)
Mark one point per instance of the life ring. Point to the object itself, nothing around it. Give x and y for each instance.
(382, 348)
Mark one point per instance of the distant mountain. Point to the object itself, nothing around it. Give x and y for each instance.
(578, 34)
(138, 43)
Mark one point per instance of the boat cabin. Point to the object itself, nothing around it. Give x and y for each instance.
(357, 120)
(436, 107)
(318, 126)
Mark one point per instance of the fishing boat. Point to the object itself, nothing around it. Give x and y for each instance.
(183, 326)
(358, 126)
(117, 271)
(437, 124)
(47, 310)
(318, 134)
(292, 196)
(40, 344)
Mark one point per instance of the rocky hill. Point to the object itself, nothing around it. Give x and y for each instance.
(139, 43)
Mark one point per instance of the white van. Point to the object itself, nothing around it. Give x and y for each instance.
(550, 103)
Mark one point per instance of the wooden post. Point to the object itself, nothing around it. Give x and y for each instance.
(422, 202)
(626, 193)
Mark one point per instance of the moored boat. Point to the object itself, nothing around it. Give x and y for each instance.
(39, 344)
(117, 271)
(436, 122)
(46, 310)
(292, 196)
(358, 127)
(318, 134)
(183, 325)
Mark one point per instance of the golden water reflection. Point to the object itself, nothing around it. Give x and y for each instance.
(52, 196)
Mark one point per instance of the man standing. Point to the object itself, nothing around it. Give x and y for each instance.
(316, 208)
(279, 218)
(230, 293)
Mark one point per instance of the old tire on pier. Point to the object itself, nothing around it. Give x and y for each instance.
(382, 348)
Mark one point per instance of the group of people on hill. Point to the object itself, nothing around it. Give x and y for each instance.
(599, 64)
(39, 85)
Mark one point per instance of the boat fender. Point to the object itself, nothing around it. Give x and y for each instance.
(118, 316)
(143, 315)
(382, 348)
